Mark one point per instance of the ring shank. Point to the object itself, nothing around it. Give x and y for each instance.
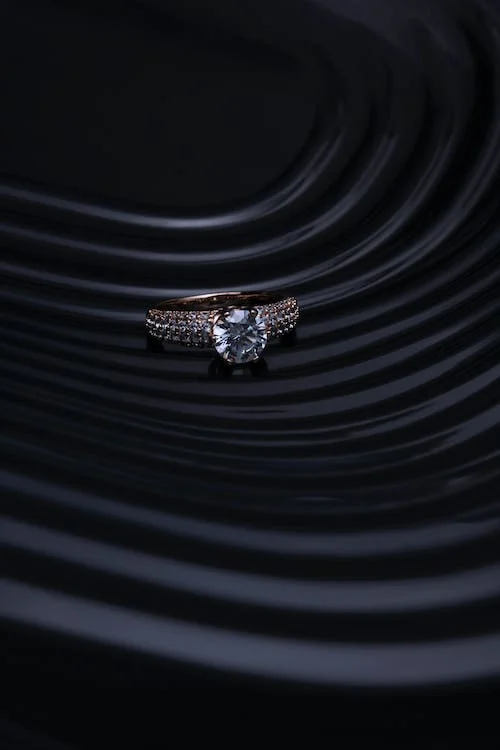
(219, 300)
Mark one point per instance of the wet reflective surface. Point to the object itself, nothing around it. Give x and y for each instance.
(330, 514)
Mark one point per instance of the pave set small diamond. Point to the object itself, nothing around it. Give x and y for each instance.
(190, 328)
(281, 317)
(195, 327)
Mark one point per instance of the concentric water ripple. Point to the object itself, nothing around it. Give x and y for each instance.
(334, 518)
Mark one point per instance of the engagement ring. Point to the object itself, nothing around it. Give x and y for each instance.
(238, 325)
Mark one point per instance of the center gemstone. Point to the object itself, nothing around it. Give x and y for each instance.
(239, 335)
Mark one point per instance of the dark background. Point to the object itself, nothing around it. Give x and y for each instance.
(328, 525)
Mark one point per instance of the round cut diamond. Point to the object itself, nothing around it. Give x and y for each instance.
(240, 335)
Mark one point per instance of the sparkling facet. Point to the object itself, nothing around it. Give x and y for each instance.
(240, 335)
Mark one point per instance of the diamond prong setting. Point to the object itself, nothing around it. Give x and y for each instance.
(240, 335)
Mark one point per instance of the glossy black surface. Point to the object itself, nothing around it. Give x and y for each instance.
(331, 517)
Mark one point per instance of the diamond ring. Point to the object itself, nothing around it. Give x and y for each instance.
(238, 325)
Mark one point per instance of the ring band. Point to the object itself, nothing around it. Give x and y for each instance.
(238, 325)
